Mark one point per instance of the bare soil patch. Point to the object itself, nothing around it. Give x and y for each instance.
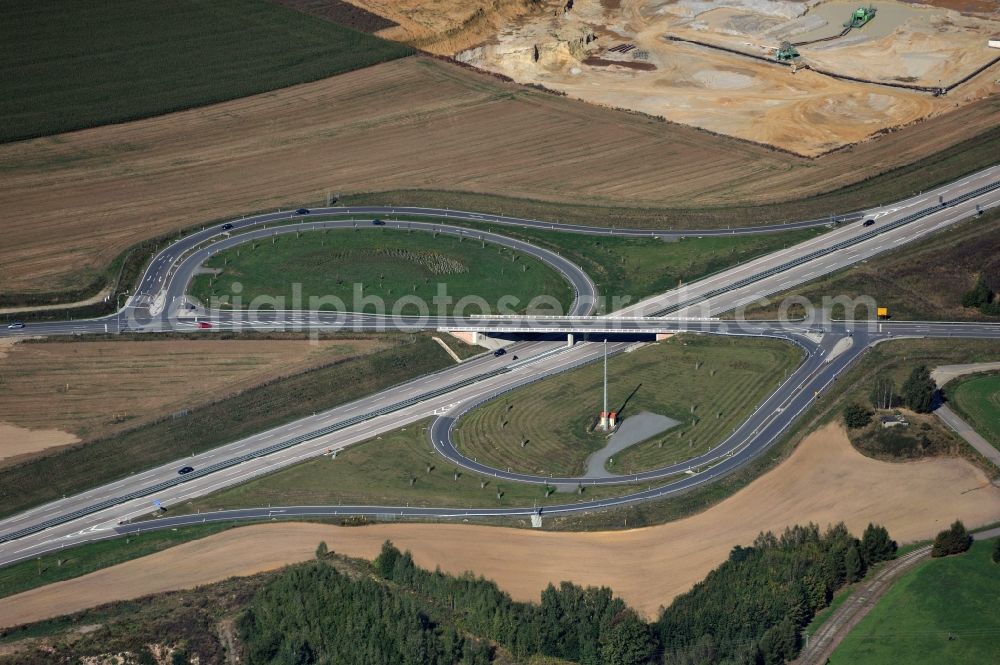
(798, 110)
(448, 26)
(825, 480)
(74, 202)
(66, 391)
(17, 443)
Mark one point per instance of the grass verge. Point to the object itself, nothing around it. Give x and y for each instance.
(942, 611)
(153, 57)
(923, 281)
(708, 384)
(354, 270)
(93, 463)
(77, 561)
(825, 613)
(396, 469)
(630, 269)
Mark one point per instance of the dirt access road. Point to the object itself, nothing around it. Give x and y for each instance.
(825, 480)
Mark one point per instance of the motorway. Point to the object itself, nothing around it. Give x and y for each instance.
(160, 305)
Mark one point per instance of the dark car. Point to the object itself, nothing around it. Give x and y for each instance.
(185, 469)
(302, 211)
(499, 352)
(15, 325)
(227, 226)
(378, 222)
(869, 222)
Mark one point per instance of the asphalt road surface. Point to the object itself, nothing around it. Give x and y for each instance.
(96, 514)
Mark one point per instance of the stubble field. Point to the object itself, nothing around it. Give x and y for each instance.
(75, 201)
(62, 392)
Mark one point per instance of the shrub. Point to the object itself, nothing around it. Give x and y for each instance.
(856, 416)
(953, 540)
(979, 296)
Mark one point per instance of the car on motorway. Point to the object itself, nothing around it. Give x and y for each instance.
(378, 222)
(227, 226)
(15, 325)
(869, 222)
(185, 470)
(499, 352)
(203, 324)
(302, 211)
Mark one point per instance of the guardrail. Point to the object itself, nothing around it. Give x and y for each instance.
(831, 249)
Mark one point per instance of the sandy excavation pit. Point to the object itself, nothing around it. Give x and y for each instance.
(619, 54)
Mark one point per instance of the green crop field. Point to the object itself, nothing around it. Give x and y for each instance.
(943, 611)
(70, 65)
(977, 399)
(709, 384)
(396, 469)
(382, 265)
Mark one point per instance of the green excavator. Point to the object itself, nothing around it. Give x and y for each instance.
(860, 17)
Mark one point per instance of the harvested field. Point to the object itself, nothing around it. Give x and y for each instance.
(793, 108)
(65, 391)
(76, 201)
(824, 481)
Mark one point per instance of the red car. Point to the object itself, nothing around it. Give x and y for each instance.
(204, 324)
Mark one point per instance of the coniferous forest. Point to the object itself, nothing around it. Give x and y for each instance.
(748, 611)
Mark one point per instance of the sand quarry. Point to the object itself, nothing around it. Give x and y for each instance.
(825, 480)
(582, 52)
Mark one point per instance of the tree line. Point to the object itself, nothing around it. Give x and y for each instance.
(748, 611)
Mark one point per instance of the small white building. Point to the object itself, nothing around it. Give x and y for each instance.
(994, 43)
(895, 420)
